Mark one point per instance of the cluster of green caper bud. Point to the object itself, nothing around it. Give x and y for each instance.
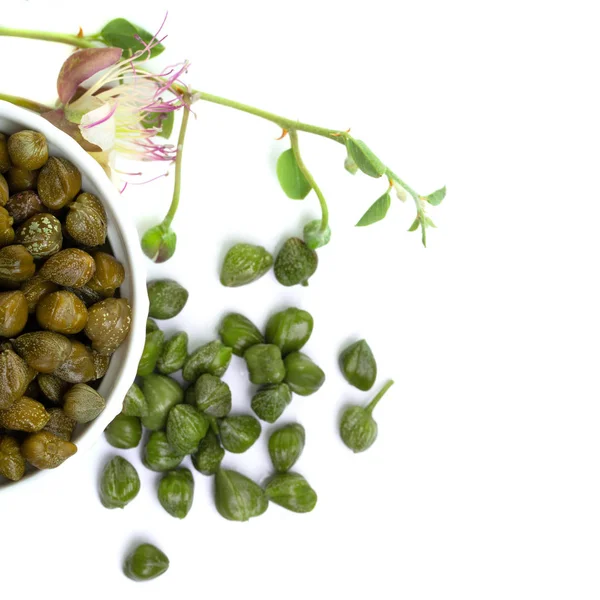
(59, 318)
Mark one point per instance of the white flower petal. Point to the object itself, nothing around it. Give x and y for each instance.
(97, 127)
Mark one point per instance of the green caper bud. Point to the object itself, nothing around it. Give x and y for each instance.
(12, 463)
(13, 313)
(41, 235)
(174, 354)
(152, 349)
(109, 275)
(291, 491)
(243, 264)
(212, 358)
(20, 180)
(119, 483)
(79, 366)
(238, 498)
(211, 395)
(43, 351)
(161, 393)
(145, 562)
(60, 424)
(108, 324)
(207, 459)
(83, 403)
(70, 268)
(265, 364)
(135, 404)
(16, 264)
(24, 205)
(101, 364)
(25, 414)
(86, 221)
(35, 289)
(44, 450)
(358, 428)
(302, 375)
(7, 233)
(239, 333)
(167, 298)
(53, 387)
(62, 312)
(358, 365)
(295, 263)
(239, 432)
(4, 191)
(289, 329)
(314, 236)
(4, 157)
(185, 428)
(59, 182)
(176, 492)
(28, 149)
(151, 325)
(286, 446)
(158, 453)
(270, 401)
(124, 432)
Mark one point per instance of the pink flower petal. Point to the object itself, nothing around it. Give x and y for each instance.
(80, 66)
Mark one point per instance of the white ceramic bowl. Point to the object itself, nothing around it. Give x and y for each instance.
(123, 237)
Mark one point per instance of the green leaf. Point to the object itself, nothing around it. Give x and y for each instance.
(415, 225)
(430, 223)
(376, 212)
(364, 158)
(350, 165)
(290, 176)
(120, 33)
(159, 119)
(437, 197)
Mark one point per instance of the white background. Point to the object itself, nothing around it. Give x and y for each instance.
(484, 480)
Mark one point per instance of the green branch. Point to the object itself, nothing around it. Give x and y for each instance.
(48, 36)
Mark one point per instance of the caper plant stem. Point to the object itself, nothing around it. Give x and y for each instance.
(177, 187)
(48, 36)
(379, 396)
(26, 103)
(313, 184)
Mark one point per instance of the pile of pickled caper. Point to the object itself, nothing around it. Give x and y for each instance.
(59, 319)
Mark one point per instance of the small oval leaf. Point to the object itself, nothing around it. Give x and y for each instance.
(123, 34)
(290, 176)
(376, 212)
(415, 225)
(437, 196)
(364, 158)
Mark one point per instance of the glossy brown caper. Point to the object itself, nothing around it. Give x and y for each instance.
(4, 191)
(86, 221)
(62, 312)
(101, 364)
(43, 351)
(109, 274)
(7, 233)
(35, 289)
(16, 264)
(108, 324)
(25, 414)
(70, 268)
(28, 149)
(79, 366)
(12, 463)
(20, 180)
(13, 313)
(44, 450)
(41, 235)
(4, 157)
(15, 376)
(60, 424)
(53, 387)
(23, 205)
(58, 183)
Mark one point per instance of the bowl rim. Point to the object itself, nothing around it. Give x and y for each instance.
(138, 297)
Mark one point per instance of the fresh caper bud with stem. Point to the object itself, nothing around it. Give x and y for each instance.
(289, 329)
(270, 401)
(211, 395)
(302, 375)
(159, 455)
(167, 298)
(28, 149)
(212, 358)
(44, 450)
(152, 349)
(25, 414)
(358, 428)
(295, 263)
(12, 462)
(291, 491)
(83, 403)
(286, 446)
(124, 432)
(145, 562)
(119, 483)
(315, 236)
(174, 354)
(185, 428)
(58, 183)
(14, 312)
(239, 432)
(358, 365)
(135, 403)
(162, 393)
(239, 333)
(86, 221)
(265, 364)
(176, 492)
(243, 264)
(209, 455)
(237, 497)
